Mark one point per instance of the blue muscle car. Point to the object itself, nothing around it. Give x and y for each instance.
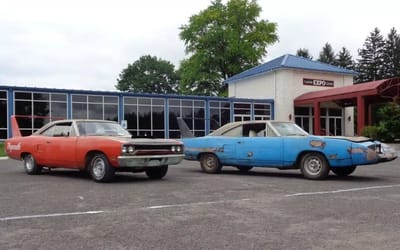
(282, 145)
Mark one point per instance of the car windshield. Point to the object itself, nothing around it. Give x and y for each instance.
(89, 128)
(288, 129)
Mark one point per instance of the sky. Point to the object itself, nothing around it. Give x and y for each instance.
(85, 44)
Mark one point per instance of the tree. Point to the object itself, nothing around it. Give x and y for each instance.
(391, 54)
(224, 40)
(303, 52)
(327, 55)
(197, 79)
(344, 59)
(371, 63)
(389, 124)
(148, 75)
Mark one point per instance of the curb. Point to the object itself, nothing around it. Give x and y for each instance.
(4, 158)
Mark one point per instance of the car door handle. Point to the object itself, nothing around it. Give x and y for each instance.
(240, 142)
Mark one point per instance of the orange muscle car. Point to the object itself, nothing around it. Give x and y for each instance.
(99, 147)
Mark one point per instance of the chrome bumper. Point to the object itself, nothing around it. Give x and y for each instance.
(387, 153)
(149, 160)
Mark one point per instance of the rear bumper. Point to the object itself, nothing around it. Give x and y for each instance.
(149, 160)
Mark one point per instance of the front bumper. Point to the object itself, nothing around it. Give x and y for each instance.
(387, 153)
(140, 161)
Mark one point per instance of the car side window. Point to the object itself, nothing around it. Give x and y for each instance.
(234, 132)
(59, 129)
(254, 130)
(270, 132)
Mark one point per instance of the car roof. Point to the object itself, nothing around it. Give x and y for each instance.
(231, 125)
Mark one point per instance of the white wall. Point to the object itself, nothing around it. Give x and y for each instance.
(284, 86)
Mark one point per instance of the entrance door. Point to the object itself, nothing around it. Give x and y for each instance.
(335, 126)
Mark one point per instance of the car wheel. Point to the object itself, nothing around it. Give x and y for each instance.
(30, 165)
(314, 166)
(100, 169)
(156, 172)
(244, 169)
(340, 171)
(210, 163)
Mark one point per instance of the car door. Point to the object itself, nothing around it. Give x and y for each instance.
(260, 151)
(258, 147)
(60, 145)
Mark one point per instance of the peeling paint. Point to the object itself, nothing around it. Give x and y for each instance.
(334, 156)
(369, 154)
(317, 144)
(206, 150)
(357, 150)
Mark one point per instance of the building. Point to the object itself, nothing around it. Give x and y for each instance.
(144, 114)
(287, 77)
(317, 96)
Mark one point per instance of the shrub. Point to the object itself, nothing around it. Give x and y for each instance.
(389, 124)
(371, 132)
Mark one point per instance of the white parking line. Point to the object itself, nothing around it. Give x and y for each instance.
(48, 215)
(342, 190)
(193, 204)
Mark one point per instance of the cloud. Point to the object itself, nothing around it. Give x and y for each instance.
(86, 44)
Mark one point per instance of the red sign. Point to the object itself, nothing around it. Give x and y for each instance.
(318, 82)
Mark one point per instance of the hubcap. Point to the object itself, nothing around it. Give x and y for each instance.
(210, 162)
(313, 165)
(98, 168)
(29, 163)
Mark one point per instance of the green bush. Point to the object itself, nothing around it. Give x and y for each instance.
(371, 132)
(2, 151)
(389, 122)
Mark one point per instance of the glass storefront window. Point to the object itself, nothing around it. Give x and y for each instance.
(3, 115)
(96, 107)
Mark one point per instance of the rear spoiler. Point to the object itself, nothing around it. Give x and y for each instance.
(15, 131)
(185, 131)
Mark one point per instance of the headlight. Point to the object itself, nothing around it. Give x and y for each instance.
(176, 149)
(127, 149)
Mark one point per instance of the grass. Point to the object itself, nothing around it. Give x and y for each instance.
(2, 152)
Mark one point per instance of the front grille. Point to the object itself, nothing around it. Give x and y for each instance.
(152, 147)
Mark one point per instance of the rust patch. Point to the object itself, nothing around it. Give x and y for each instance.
(317, 144)
(357, 150)
(369, 154)
(334, 156)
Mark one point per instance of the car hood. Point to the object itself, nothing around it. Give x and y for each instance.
(350, 138)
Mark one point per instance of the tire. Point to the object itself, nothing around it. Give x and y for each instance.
(343, 171)
(100, 169)
(244, 169)
(30, 165)
(314, 166)
(210, 163)
(156, 173)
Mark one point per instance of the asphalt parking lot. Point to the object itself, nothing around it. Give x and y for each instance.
(262, 209)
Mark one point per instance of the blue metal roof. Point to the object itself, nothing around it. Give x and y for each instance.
(289, 62)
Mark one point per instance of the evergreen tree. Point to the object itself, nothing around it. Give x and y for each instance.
(391, 54)
(303, 52)
(344, 59)
(371, 63)
(327, 55)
